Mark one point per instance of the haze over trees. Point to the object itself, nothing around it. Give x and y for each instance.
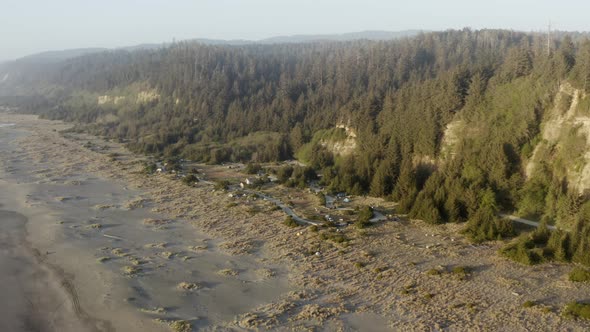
(261, 103)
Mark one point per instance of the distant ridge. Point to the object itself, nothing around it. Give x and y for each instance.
(56, 56)
(60, 55)
(366, 35)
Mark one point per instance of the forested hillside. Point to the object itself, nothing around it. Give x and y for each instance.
(445, 123)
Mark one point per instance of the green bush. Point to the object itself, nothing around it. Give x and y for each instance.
(252, 168)
(461, 272)
(434, 272)
(529, 304)
(222, 185)
(289, 221)
(334, 237)
(189, 179)
(579, 275)
(577, 310)
(149, 168)
(530, 248)
(365, 213)
(484, 224)
(322, 199)
(362, 224)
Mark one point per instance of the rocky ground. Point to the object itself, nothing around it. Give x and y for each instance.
(403, 275)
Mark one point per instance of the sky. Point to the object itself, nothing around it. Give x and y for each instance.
(31, 26)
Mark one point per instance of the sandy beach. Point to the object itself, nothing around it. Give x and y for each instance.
(124, 251)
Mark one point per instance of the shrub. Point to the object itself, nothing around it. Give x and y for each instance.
(289, 221)
(461, 272)
(530, 248)
(322, 198)
(149, 168)
(529, 304)
(577, 310)
(433, 272)
(365, 214)
(334, 237)
(253, 168)
(190, 179)
(222, 185)
(579, 275)
(360, 224)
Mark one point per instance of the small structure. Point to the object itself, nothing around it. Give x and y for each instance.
(346, 200)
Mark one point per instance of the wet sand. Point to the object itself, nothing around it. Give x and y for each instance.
(114, 266)
(127, 241)
(32, 297)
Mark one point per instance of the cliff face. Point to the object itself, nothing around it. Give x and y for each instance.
(339, 146)
(565, 139)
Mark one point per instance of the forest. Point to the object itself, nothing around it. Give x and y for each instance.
(267, 103)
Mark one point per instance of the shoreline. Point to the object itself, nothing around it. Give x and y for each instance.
(379, 277)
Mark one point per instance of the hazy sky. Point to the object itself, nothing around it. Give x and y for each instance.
(29, 26)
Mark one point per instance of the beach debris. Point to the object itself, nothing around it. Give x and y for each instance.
(228, 272)
(131, 270)
(188, 286)
(114, 237)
